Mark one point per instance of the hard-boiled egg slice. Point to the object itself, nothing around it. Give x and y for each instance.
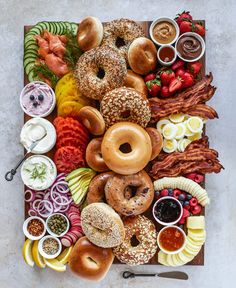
(180, 131)
(195, 124)
(187, 131)
(170, 145)
(169, 131)
(195, 136)
(177, 118)
(182, 144)
(162, 123)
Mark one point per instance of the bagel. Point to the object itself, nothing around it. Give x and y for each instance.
(90, 33)
(138, 148)
(145, 232)
(92, 120)
(120, 33)
(139, 202)
(94, 157)
(96, 192)
(133, 80)
(142, 56)
(156, 140)
(102, 225)
(125, 104)
(100, 70)
(89, 261)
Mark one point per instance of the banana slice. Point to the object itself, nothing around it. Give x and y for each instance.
(195, 136)
(185, 256)
(162, 123)
(177, 118)
(169, 131)
(195, 124)
(197, 234)
(182, 144)
(169, 260)
(170, 146)
(181, 129)
(162, 258)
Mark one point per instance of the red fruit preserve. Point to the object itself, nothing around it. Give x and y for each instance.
(166, 54)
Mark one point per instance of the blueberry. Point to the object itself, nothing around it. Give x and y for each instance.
(181, 197)
(186, 203)
(189, 197)
(181, 202)
(181, 226)
(40, 97)
(31, 97)
(170, 192)
(157, 194)
(35, 104)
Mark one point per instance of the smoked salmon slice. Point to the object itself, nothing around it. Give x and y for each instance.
(56, 65)
(43, 46)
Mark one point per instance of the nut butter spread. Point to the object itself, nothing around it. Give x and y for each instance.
(164, 32)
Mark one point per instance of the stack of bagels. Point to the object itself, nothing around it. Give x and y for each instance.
(116, 55)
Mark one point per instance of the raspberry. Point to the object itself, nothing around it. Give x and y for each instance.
(177, 192)
(197, 209)
(191, 176)
(193, 202)
(186, 213)
(164, 192)
(199, 178)
(182, 220)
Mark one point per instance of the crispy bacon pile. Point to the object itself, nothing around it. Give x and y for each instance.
(190, 101)
(197, 157)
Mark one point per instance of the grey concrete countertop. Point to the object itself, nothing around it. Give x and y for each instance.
(220, 251)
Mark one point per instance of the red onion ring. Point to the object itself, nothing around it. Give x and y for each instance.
(50, 211)
(32, 212)
(32, 195)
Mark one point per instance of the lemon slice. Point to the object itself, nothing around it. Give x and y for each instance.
(177, 118)
(38, 259)
(55, 265)
(169, 131)
(194, 124)
(161, 124)
(169, 146)
(27, 252)
(195, 136)
(64, 256)
(180, 131)
(182, 144)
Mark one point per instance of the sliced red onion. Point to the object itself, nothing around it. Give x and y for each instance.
(32, 212)
(32, 195)
(64, 200)
(36, 202)
(49, 208)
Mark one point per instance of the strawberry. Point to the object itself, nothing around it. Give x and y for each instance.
(186, 213)
(182, 220)
(149, 77)
(175, 85)
(191, 176)
(167, 76)
(180, 71)
(186, 26)
(199, 178)
(165, 91)
(194, 67)
(183, 16)
(199, 29)
(177, 64)
(154, 86)
(187, 80)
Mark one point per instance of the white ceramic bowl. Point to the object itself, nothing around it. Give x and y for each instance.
(201, 41)
(49, 230)
(45, 255)
(170, 62)
(50, 109)
(167, 19)
(171, 252)
(167, 223)
(25, 230)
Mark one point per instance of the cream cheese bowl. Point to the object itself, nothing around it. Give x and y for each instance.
(38, 172)
(32, 129)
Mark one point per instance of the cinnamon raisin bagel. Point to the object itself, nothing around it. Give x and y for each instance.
(143, 190)
(100, 70)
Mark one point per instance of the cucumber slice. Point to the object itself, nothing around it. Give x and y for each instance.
(74, 28)
(48, 26)
(31, 76)
(29, 67)
(52, 28)
(30, 52)
(68, 26)
(32, 47)
(28, 61)
(29, 42)
(43, 25)
(36, 30)
(29, 37)
(63, 26)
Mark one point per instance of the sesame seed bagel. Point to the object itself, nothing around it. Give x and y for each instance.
(123, 30)
(102, 225)
(125, 104)
(100, 70)
(146, 234)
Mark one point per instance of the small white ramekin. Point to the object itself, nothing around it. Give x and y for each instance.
(170, 62)
(45, 255)
(165, 223)
(167, 251)
(198, 38)
(162, 19)
(49, 230)
(26, 232)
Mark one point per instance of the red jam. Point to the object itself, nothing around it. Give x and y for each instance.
(171, 239)
(166, 54)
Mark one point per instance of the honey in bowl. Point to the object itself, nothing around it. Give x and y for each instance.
(171, 238)
(166, 54)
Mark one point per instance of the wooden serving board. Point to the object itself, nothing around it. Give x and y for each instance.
(199, 259)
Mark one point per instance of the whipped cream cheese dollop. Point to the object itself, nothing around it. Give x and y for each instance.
(36, 129)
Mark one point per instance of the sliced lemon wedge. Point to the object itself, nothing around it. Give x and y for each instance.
(177, 118)
(55, 265)
(170, 145)
(64, 256)
(162, 123)
(27, 252)
(169, 131)
(38, 259)
(195, 124)
(181, 129)
(182, 144)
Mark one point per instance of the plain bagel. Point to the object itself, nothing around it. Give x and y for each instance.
(90, 33)
(90, 261)
(156, 140)
(142, 56)
(136, 82)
